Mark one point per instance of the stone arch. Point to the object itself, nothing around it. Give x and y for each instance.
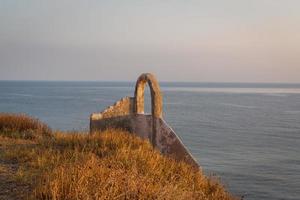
(156, 96)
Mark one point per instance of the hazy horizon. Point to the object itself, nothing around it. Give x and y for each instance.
(192, 41)
(161, 82)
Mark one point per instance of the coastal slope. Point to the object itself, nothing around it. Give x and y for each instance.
(37, 163)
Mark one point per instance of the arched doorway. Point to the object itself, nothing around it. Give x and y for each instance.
(156, 97)
(156, 102)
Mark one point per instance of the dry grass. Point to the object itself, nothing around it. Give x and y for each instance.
(109, 165)
(22, 126)
(3, 169)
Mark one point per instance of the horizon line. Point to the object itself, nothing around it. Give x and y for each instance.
(130, 81)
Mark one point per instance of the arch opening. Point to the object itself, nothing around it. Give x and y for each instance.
(156, 97)
(147, 101)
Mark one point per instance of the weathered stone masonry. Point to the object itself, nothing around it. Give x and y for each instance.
(128, 113)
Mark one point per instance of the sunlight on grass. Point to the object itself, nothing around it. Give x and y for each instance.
(112, 164)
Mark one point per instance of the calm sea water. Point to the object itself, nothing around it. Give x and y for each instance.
(247, 134)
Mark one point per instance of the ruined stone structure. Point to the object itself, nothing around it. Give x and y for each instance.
(128, 114)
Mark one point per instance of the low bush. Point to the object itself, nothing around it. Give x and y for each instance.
(22, 126)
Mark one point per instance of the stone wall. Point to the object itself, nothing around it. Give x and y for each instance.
(128, 114)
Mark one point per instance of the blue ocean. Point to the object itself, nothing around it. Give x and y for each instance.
(248, 134)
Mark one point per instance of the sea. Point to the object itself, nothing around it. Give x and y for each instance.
(246, 134)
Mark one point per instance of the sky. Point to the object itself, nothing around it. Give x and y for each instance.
(201, 41)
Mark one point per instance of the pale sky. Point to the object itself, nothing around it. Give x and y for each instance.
(179, 40)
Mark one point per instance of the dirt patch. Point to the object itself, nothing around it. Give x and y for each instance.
(10, 187)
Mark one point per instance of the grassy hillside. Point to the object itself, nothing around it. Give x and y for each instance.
(109, 165)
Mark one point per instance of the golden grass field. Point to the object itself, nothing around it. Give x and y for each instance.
(113, 164)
